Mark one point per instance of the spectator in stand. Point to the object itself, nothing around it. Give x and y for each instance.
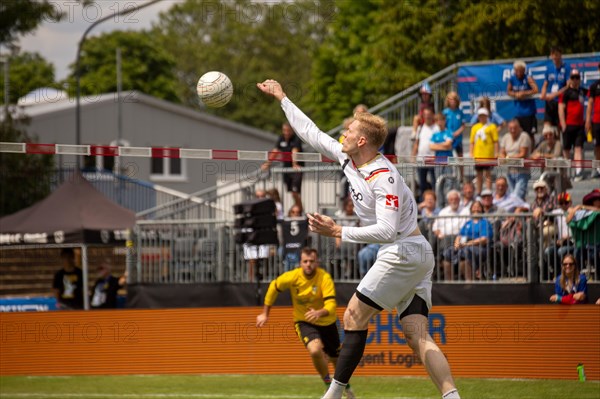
(522, 87)
(468, 195)
(516, 144)
(441, 141)
(489, 209)
(563, 244)
(366, 257)
(68, 282)
(484, 144)
(487, 200)
(106, 287)
(544, 202)
(252, 253)
(455, 122)
(555, 83)
(290, 144)
(570, 287)
(425, 93)
(504, 199)
(584, 221)
(428, 211)
(472, 244)
(422, 148)
(572, 124)
(494, 117)
(274, 195)
(446, 227)
(592, 120)
(550, 147)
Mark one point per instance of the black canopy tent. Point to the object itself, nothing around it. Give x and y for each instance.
(75, 214)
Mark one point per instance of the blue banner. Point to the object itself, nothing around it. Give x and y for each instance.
(491, 81)
(27, 304)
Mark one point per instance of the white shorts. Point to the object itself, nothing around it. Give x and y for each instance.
(256, 251)
(402, 270)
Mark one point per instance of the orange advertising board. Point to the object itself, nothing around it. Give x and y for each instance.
(543, 341)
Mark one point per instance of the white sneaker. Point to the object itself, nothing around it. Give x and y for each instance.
(349, 394)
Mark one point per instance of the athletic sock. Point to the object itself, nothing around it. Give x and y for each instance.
(336, 389)
(352, 350)
(452, 394)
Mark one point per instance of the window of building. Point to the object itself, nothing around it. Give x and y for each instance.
(168, 169)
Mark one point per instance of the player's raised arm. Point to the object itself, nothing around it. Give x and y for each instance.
(304, 127)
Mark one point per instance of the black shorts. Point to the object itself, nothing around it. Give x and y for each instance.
(483, 167)
(528, 124)
(573, 136)
(293, 181)
(551, 113)
(596, 133)
(329, 335)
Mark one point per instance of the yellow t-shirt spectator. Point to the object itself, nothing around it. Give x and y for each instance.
(483, 140)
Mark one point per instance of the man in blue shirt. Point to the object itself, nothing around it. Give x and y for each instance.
(522, 87)
(555, 83)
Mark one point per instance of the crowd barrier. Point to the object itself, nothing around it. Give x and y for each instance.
(521, 250)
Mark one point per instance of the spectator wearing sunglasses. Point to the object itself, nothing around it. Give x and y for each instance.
(570, 287)
(570, 114)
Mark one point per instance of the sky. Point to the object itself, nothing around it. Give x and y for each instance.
(57, 41)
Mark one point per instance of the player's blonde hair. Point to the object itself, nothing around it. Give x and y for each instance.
(373, 127)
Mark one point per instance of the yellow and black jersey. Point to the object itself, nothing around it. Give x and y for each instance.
(317, 293)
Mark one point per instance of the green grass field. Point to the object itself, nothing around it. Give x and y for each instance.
(279, 387)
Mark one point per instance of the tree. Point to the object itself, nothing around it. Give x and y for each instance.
(146, 66)
(25, 179)
(376, 48)
(19, 17)
(248, 41)
(27, 71)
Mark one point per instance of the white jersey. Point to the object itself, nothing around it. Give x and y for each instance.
(383, 202)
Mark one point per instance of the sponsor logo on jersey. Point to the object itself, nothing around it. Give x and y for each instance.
(391, 202)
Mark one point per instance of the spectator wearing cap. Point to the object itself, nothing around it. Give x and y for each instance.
(570, 114)
(425, 94)
(516, 145)
(495, 117)
(562, 243)
(522, 88)
(487, 200)
(484, 144)
(506, 200)
(544, 202)
(592, 120)
(555, 83)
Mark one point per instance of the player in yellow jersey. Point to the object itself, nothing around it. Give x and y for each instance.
(313, 299)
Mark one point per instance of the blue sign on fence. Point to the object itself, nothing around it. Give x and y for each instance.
(491, 81)
(27, 304)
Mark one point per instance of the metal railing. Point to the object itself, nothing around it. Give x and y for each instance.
(196, 251)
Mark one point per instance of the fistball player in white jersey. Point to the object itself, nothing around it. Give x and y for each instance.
(400, 278)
